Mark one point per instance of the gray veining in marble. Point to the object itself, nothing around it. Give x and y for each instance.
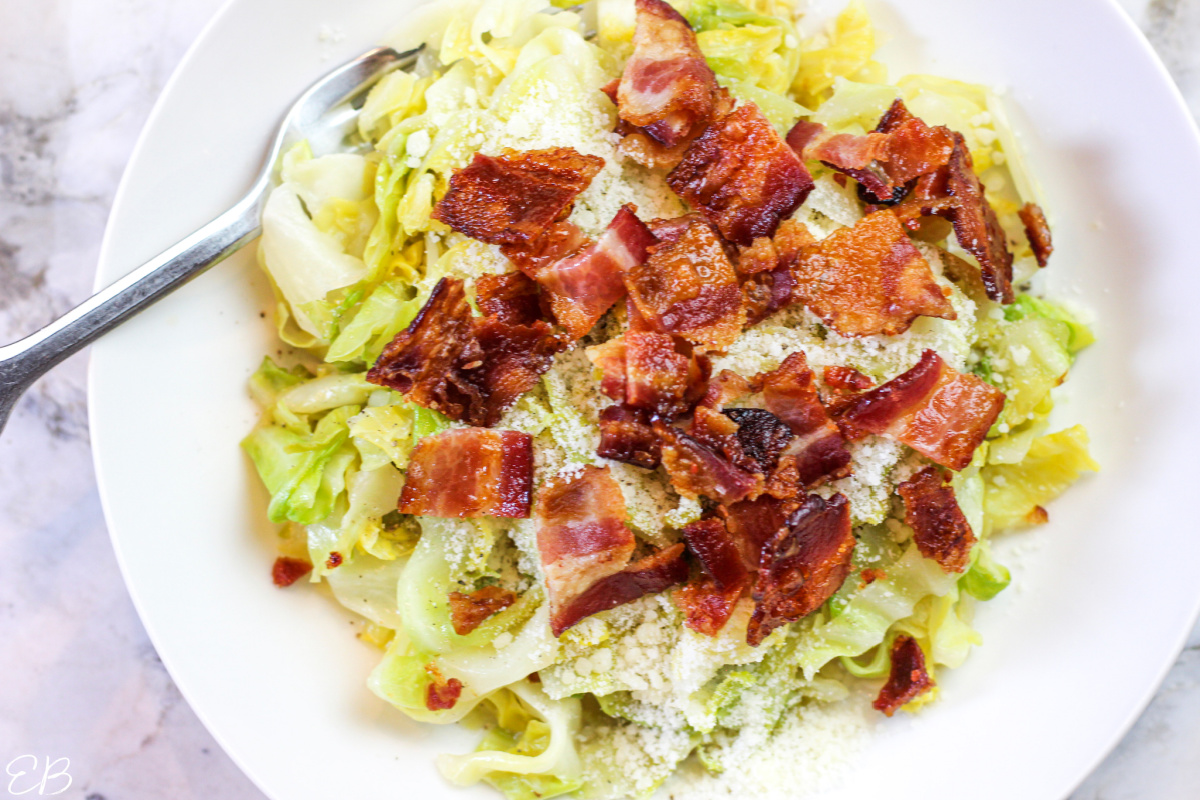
(78, 677)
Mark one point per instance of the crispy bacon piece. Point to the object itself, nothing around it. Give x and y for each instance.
(705, 606)
(933, 408)
(654, 372)
(768, 254)
(468, 611)
(582, 537)
(561, 240)
(718, 432)
(869, 576)
(802, 565)
(896, 115)
(470, 369)
(470, 472)
(585, 549)
(441, 694)
(656, 572)
(908, 678)
(901, 149)
(609, 357)
(818, 451)
(843, 151)
(955, 193)
(420, 359)
(688, 286)
(627, 435)
(769, 283)
(940, 528)
(869, 279)
(585, 286)
(753, 523)
(914, 149)
(696, 469)
(843, 385)
(976, 225)
(511, 360)
(762, 436)
(286, 571)
(511, 298)
(717, 552)
(727, 387)
(962, 272)
(663, 373)
(512, 199)
(667, 89)
(641, 147)
(742, 176)
(846, 379)
(1037, 230)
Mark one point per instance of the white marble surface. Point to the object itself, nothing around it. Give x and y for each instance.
(79, 680)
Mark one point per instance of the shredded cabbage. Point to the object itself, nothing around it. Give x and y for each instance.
(1017, 492)
(612, 708)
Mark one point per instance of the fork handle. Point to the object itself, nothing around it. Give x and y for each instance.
(23, 362)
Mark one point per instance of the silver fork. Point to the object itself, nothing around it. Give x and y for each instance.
(326, 112)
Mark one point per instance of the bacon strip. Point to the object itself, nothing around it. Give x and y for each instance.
(688, 286)
(470, 369)
(286, 571)
(1037, 230)
(696, 469)
(468, 611)
(511, 360)
(654, 573)
(802, 565)
(627, 435)
(869, 279)
(581, 536)
(470, 472)
(818, 451)
(585, 549)
(934, 409)
(512, 199)
(940, 528)
(667, 89)
(742, 176)
(908, 678)
(585, 286)
(511, 298)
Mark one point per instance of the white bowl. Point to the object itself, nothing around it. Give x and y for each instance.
(1101, 602)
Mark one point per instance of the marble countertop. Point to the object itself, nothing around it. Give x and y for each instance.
(79, 679)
